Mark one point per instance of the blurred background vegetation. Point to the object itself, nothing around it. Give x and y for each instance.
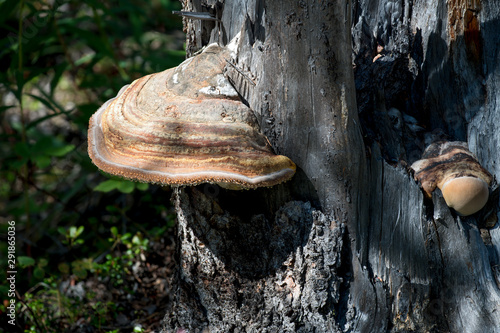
(93, 252)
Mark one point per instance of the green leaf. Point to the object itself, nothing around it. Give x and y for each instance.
(126, 186)
(25, 261)
(114, 231)
(80, 230)
(60, 151)
(87, 263)
(44, 102)
(80, 272)
(79, 268)
(42, 119)
(62, 231)
(136, 240)
(42, 262)
(58, 72)
(5, 107)
(52, 101)
(72, 232)
(18, 164)
(142, 186)
(63, 267)
(42, 144)
(38, 272)
(85, 59)
(42, 161)
(22, 149)
(112, 209)
(107, 186)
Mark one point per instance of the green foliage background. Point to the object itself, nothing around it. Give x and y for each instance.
(59, 61)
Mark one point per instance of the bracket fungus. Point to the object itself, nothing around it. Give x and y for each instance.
(452, 168)
(185, 126)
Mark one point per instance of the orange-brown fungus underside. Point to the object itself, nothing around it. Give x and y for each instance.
(185, 126)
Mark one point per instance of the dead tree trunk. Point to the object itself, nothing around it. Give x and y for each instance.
(349, 244)
(430, 269)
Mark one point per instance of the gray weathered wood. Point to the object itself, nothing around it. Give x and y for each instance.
(439, 271)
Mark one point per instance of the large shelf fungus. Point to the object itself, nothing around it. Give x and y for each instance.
(452, 168)
(185, 126)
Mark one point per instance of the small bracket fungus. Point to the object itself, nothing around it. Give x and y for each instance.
(185, 126)
(452, 168)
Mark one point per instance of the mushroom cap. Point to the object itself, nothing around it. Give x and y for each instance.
(455, 170)
(467, 195)
(185, 126)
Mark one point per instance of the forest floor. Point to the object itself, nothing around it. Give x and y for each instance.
(135, 301)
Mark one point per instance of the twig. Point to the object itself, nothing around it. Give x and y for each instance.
(241, 72)
(32, 314)
(204, 16)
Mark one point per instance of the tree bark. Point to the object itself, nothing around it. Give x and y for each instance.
(349, 244)
(438, 271)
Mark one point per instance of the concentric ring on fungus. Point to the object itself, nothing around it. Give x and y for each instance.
(185, 126)
(452, 168)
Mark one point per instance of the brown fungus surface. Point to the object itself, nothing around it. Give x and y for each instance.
(452, 168)
(185, 126)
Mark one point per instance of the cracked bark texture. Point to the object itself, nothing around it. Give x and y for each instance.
(350, 244)
(254, 274)
(437, 78)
